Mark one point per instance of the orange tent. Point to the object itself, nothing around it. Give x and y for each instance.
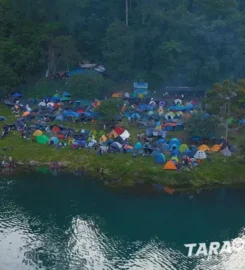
(25, 114)
(170, 166)
(204, 147)
(215, 148)
(112, 134)
(116, 95)
(103, 138)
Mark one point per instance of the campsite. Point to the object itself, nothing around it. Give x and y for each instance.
(146, 142)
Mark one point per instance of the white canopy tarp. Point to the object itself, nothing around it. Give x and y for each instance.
(125, 135)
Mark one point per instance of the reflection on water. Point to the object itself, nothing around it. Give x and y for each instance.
(64, 223)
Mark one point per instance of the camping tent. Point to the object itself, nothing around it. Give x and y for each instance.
(183, 147)
(125, 135)
(42, 139)
(55, 129)
(204, 147)
(38, 133)
(200, 154)
(138, 146)
(160, 158)
(226, 152)
(112, 134)
(170, 166)
(54, 139)
(215, 148)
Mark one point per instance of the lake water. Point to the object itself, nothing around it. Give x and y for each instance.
(69, 223)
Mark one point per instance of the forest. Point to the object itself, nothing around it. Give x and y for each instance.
(177, 42)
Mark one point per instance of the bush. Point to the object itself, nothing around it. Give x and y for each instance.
(87, 87)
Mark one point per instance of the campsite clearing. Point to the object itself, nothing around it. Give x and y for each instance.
(220, 171)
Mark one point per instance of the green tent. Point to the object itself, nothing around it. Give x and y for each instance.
(182, 148)
(42, 139)
(57, 95)
(101, 133)
(65, 99)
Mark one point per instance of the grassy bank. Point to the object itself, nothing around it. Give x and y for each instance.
(220, 171)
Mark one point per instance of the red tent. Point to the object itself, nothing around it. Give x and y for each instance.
(55, 129)
(61, 136)
(119, 130)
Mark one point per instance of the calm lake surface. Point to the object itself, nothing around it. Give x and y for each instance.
(66, 222)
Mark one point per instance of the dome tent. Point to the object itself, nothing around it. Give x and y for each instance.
(54, 139)
(170, 166)
(200, 154)
(37, 133)
(183, 147)
(160, 158)
(43, 139)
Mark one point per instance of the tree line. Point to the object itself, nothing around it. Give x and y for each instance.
(188, 42)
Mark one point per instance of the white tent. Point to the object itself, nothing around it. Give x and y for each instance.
(200, 155)
(51, 104)
(226, 152)
(178, 102)
(42, 104)
(125, 135)
(169, 116)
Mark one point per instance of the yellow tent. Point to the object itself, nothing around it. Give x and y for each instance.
(37, 133)
(215, 148)
(204, 147)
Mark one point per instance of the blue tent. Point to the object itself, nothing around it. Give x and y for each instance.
(176, 108)
(54, 139)
(138, 146)
(55, 99)
(70, 113)
(165, 147)
(160, 159)
(169, 128)
(155, 152)
(59, 117)
(16, 95)
(188, 153)
(81, 143)
(242, 122)
(161, 141)
(175, 152)
(174, 142)
(193, 149)
(66, 94)
(173, 146)
(196, 138)
(135, 116)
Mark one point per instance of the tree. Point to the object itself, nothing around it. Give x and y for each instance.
(203, 125)
(8, 79)
(88, 87)
(118, 49)
(109, 109)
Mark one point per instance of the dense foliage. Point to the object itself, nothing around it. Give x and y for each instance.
(202, 125)
(109, 109)
(188, 42)
(86, 86)
(227, 99)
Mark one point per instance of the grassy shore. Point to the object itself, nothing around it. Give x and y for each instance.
(220, 171)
